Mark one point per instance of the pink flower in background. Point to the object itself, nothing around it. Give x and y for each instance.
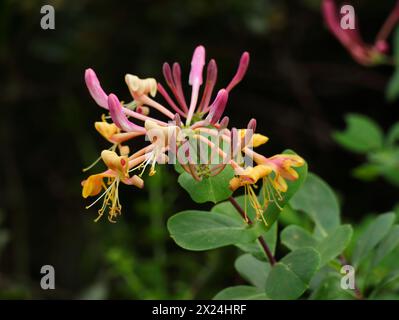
(363, 53)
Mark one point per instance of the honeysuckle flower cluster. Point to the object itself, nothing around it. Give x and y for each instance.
(194, 134)
(363, 53)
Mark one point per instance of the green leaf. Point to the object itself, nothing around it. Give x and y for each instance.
(388, 160)
(241, 293)
(273, 210)
(391, 277)
(290, 216)
(376, 231)
(318, 200)
(392, 89)
(361, 135)
(202, 230)
(393, 135)
(212, 189)
(252, 270)
(295, 237)
(367, 171)
(334, 244)
(290, 277)
(387, 245)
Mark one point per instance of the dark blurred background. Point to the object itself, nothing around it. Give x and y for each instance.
(299, 86)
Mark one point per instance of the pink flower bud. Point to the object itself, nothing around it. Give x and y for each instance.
(218, 106)
(242, 69)
(95, 89)
(197, 65)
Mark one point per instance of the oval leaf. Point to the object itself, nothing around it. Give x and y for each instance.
(202, 230)
(252, 270)
(290, 277)
(295, 237)
(318, 200)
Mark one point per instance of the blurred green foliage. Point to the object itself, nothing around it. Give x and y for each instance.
(364, 136)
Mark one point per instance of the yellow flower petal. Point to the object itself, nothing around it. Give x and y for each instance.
(257, 139)
(114, 162)
(107, 130)
(92, 185)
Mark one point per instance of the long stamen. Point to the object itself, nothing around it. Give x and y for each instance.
(102, 195)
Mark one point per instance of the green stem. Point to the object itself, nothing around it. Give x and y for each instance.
(261, 240)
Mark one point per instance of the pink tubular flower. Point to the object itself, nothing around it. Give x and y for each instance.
(95, 89)
(363, 53)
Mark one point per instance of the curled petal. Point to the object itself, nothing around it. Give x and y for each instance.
(282, 164)
(242, 69)
(138, 87)
(118, 117)
(94, 86)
